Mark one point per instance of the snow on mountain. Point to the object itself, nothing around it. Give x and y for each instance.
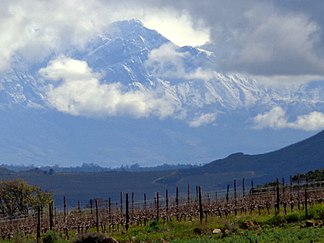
(18, 86)
(134, 72)
(140, 58)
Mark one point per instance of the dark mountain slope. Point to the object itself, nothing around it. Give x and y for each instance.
(297, 158)
(300, 157)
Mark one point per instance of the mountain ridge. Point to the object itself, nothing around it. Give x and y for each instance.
(299, 157)
(210, 114)
(212, 177)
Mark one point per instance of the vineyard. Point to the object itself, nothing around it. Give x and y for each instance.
(109, 216)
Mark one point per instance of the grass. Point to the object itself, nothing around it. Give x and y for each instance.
(241, 228)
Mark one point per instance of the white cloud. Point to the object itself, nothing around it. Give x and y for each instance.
(268, 41)
(34, 29)
(280, 80)
(310, 122)
(276, 118)
(78, 91)
(68, 69)
(166, 62)
(201, 74)
(178, 28)
(203, 119)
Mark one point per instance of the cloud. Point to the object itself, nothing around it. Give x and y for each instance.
(263, 38)
(269, 38)
(310, 122)
(278, 44)
(276, 118)
(166, 62)
(67, 69)
(280, 80)
(178, 28)
(77, 90)
(35, 29)
(203, 119)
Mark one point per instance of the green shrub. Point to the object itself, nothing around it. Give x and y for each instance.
(197, 231)
(92, 238)
(153, 226)
(52, 237)
(276, 220)
(316, 211)
(293, 217)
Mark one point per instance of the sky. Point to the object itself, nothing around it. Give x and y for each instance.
(272, 40)
(276, 42)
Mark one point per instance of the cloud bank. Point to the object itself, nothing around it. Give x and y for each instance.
(276, 118)
(263, 38)
(168, 62)
(75, 89)
(35, 29)
(78, 91)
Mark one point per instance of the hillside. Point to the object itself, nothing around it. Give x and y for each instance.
(297, 158)
(302, 156)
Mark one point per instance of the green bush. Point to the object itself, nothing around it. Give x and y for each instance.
(197, 231)
(276, 220)
(91, 238)
(316, 212)
(52, 237)
(153, 227)
(293, 217)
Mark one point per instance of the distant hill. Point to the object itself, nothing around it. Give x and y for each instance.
(300, 157)
(5, 171)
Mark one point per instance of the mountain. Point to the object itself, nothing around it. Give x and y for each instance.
(297, 158)
(302, 156)
(193, 114)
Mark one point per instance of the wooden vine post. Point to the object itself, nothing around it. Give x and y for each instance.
(278, 198)
(157, 207)
(306, 212)
(121, 204)
(50, 211)
(167, 204)
(38, 233)
(127, 212)
(177, 202)
(235, 203)
(201, 213)
(97, 215)
(65, 207)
